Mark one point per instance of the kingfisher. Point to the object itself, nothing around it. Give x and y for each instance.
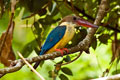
(62, 34)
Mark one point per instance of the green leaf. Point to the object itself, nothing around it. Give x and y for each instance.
(67, 59)
(33, 6)
(50, 7)
(83, 33)
(37, 5)
(36, 24)
(104, 38)
(4, 20)
(37, 50)
(38, 30)
(29, 48)
(26, 13)
(50, 74)
(63, 77)
(42, 12)
(64, 10)
(67, 71)
(48, 20)
(46, 31)
(94, 43)
(54, 10)
(100, 30)
(79, 4)
(41, 63)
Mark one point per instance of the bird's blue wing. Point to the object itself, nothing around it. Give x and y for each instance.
(52, 39)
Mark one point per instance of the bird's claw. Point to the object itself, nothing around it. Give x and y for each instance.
(67, 51)
(61, 50)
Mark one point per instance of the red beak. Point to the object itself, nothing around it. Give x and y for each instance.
(85, 23)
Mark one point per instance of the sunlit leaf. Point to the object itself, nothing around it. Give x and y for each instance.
(26, 13)
(100, 30)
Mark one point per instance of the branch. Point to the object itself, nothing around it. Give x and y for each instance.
(114, 77)
(82, 46)
(20, 55)
(18, 64)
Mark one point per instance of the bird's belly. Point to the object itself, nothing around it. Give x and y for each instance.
(66, 38)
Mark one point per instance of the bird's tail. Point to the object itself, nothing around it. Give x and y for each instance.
(36, 64)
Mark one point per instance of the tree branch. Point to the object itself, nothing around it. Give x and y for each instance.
(114, 77)
(82, 46)
(30, 66)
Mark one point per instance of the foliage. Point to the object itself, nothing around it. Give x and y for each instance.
(34, 19)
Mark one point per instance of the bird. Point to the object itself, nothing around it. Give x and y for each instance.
(62, 34)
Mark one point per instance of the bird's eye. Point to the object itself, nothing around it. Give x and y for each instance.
(74, 18)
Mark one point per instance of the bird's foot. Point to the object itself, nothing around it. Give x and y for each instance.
(61, 50)
(67, 51)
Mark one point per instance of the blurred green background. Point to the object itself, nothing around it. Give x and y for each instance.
(31, 31)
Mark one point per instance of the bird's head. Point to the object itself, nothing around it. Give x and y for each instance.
(78, 21)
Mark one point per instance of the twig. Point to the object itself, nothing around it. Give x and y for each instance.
(20, 55)
(72, 60)
(114, 77)
(18, 64)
